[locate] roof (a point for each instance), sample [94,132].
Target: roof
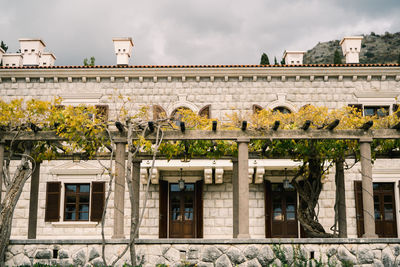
[203,66]
[32,40]
[350,38]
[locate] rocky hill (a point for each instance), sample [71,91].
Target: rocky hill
[375,48]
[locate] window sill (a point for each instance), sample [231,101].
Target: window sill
[75,224]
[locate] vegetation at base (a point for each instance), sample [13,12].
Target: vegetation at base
[264,59]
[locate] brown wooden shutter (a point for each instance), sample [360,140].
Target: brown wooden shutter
[199,209]
[359,208]
[53,193]
[102,112]
[163,219]
[158,112]
[256,109]
[395,108]
[358,107]
[205,112]
[97,202]
[268,208]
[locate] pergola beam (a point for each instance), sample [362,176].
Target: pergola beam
[233,135]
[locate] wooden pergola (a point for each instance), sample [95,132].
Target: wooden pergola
[240,168]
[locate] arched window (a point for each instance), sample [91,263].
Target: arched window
[205,112]
[282,110]
[158,112]
[176,116]
[256,108]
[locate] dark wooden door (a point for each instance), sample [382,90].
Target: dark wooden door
[281,212]
[182,211]
[384,209]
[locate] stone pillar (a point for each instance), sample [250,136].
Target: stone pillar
[1,169]
[119,191]
[136,193]
[341,197]
[367,190]
[240,183]
[33,202]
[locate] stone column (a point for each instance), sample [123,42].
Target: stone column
[33,202]
[1,169]
[367,190]
[119,191]
[136,193]
[240,183]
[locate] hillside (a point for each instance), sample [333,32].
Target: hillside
[374,49]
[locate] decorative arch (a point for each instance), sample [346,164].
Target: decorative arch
[158,112]
[281,102]
[182,104]
[205,111]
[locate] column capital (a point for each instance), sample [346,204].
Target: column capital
[243,140]
[366,139]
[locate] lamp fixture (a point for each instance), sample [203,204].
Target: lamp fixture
[181,182]
[286,183]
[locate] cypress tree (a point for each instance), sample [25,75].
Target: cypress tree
[337,59]
[275,61]
[4,46]
[264,59]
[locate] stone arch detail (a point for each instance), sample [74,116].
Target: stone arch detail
[282,102]
[182,104]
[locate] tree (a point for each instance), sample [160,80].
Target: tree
[86,62]
[4,46]
[283,61]
[264,59]
[337,59]
[275,61]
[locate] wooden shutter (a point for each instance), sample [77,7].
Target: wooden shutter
[205,112]
[358,107]
[163,219]
[53,193]
[359,208]
[199,209]
[256,109]
[97,201]
[158,112]
[102,112]
[395,108]
[268,200]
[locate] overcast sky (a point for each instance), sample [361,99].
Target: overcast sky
[169,32]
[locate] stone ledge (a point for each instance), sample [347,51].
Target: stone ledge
[214,241]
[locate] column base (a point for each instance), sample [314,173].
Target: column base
[370,236]
[243,236]
[118,237]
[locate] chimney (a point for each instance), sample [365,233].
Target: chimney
[293,57]
[351,47]
[123,50]
[47,59]
[12,60]
[31,50]
[1,53]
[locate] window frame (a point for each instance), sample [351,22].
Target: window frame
[77,202]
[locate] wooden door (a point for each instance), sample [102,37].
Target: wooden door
[182,211]
[384,209]
[281,212]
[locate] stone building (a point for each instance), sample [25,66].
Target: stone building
[68,192]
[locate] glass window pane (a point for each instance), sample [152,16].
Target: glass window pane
[84,208]
[69,216]
[70,208]
[290,208]
[387,198]
[175,188]
[84,199]
[84,188]
[84,216]
[189,187]
[290,216]
[70,199]
[70,188]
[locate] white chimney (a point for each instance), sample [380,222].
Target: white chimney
[351,47]
[293,57]
[12,60]
[47,59]
[123,50]
[31,50]
[1,53]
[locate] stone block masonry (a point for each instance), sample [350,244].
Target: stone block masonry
[218,253]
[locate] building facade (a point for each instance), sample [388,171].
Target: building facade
[69,191]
